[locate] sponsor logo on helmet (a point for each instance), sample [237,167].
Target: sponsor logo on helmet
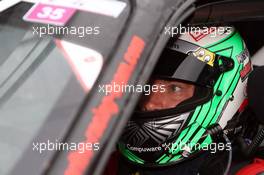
[243,56]
[142,149]
[245,71]
[205,56]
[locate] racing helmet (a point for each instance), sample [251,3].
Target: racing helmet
[216,63]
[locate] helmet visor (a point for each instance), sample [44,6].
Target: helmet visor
[193,67]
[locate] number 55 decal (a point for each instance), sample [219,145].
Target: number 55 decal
[49,14]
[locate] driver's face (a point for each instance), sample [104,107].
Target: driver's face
[175,93]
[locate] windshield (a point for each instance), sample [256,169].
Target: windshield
[34,73]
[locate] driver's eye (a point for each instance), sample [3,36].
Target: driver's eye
[175,88]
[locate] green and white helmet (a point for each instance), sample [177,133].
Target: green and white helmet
[217,63]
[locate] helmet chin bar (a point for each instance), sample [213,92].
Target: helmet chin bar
[214,131]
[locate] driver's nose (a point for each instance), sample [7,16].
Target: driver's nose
[154,101]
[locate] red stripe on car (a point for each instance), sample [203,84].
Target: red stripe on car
[107,109]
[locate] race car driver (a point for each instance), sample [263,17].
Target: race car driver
[204,76]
